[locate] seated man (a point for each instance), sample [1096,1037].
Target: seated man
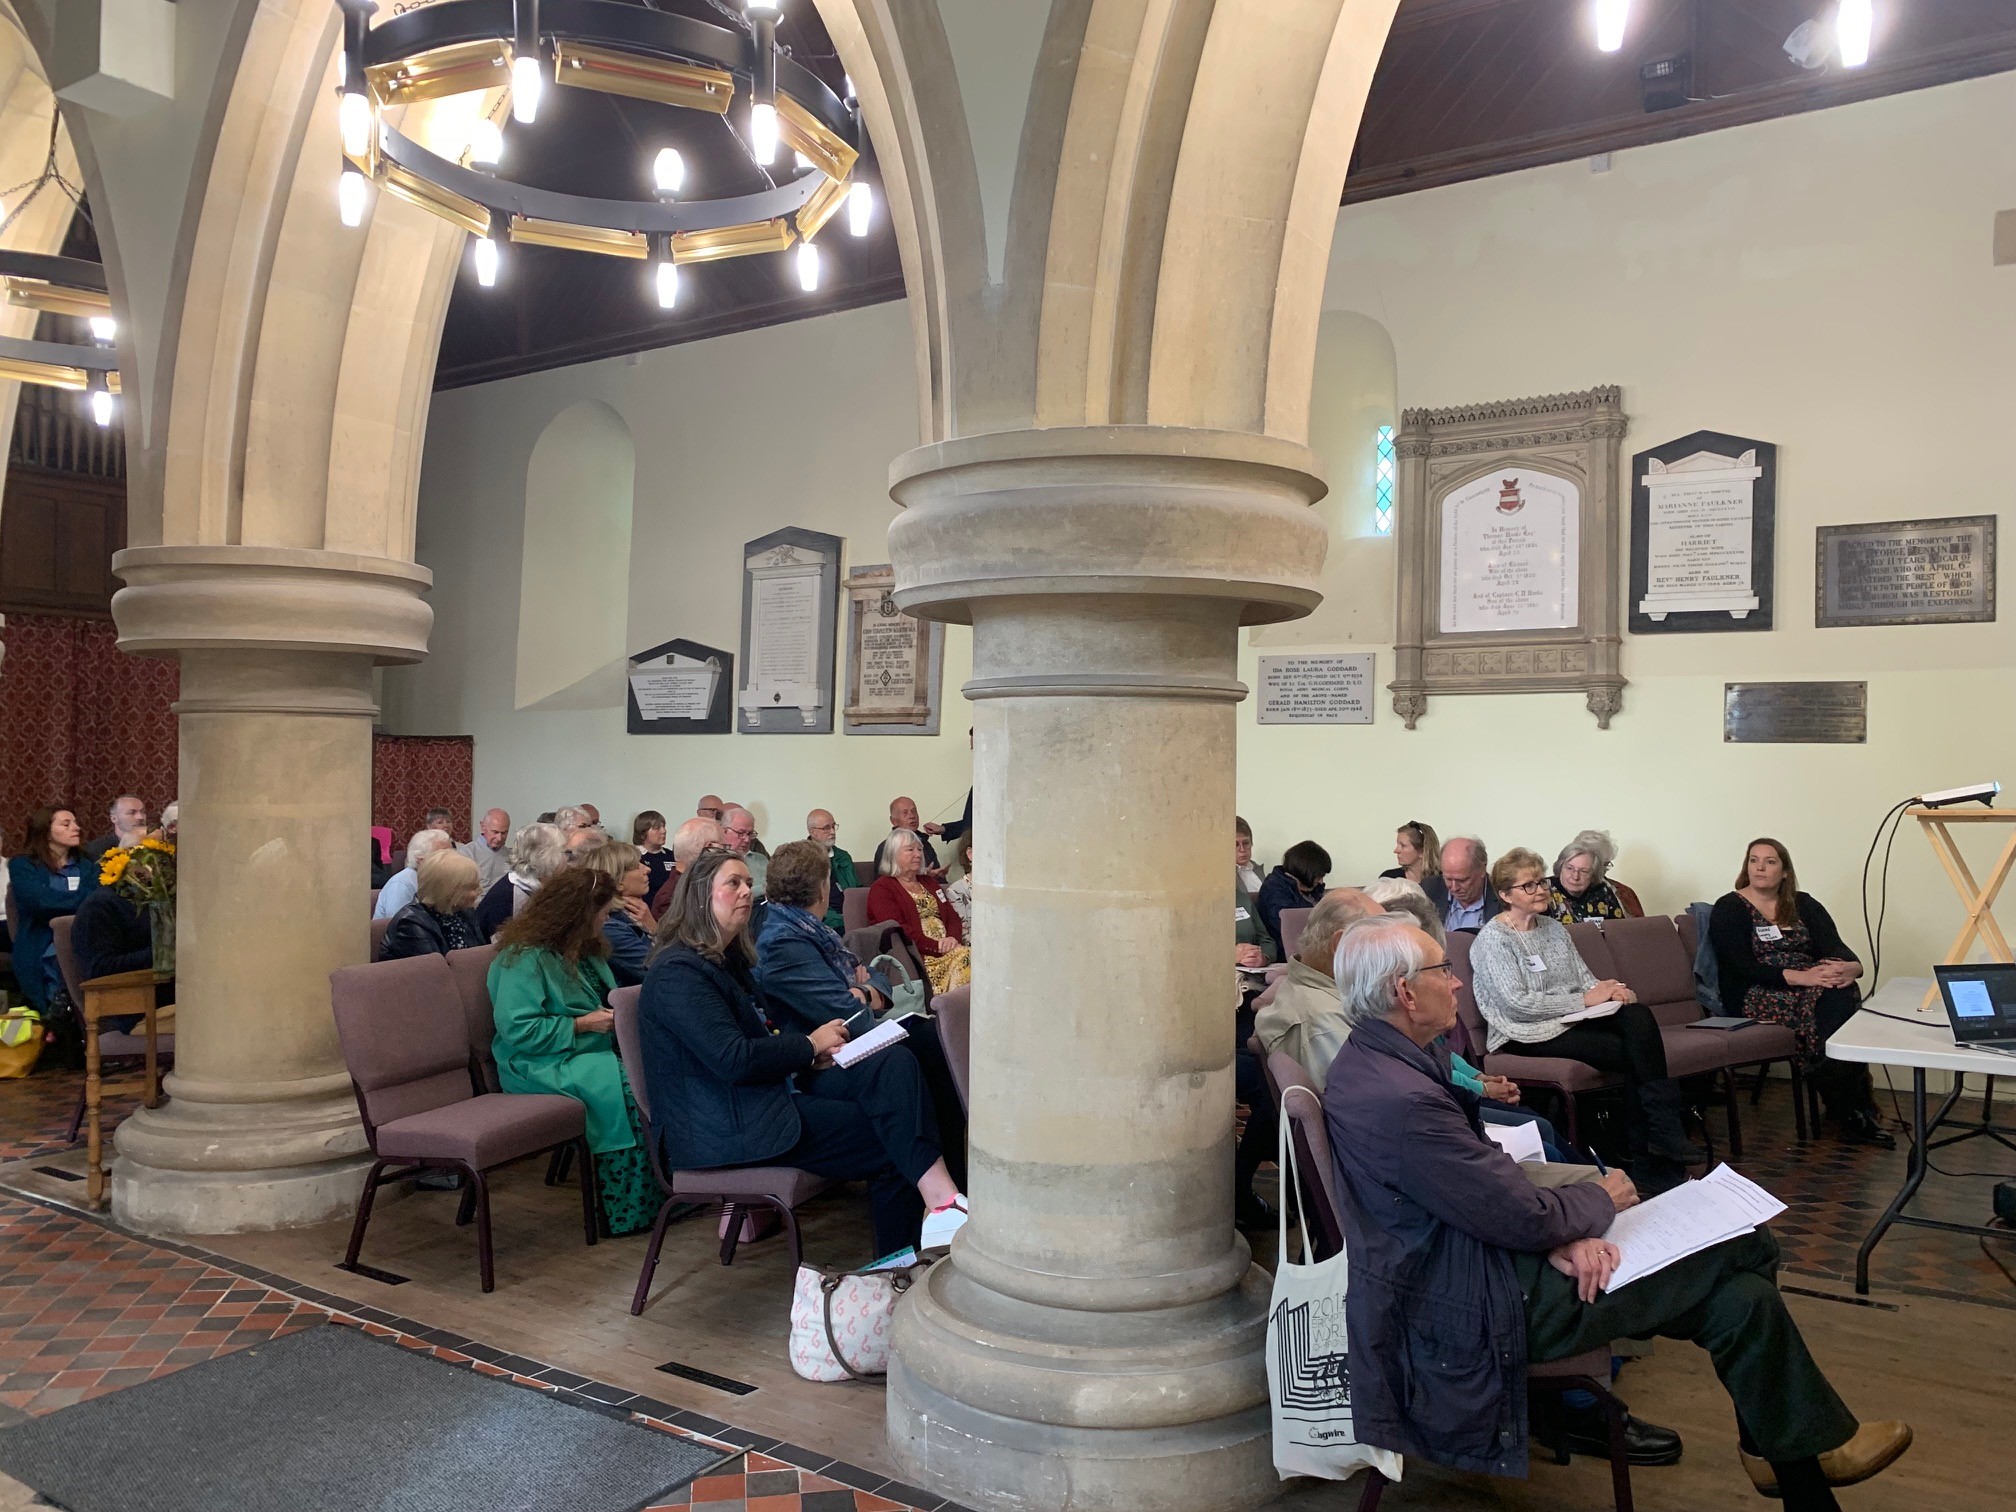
[1462,893]
[112,934]
[823,831]
[1462,1272]
[403,886]
[903,816]
[691,838]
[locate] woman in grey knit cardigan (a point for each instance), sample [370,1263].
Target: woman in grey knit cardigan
[1528,978]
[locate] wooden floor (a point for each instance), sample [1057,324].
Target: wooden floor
[1945,1366]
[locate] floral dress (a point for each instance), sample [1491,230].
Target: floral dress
[1791,1006]
[1599,901]
[945,971]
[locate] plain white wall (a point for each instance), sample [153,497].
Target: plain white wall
[1823,282]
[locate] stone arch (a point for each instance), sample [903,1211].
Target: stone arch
[574,596]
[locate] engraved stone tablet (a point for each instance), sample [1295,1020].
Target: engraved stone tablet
[1703,531]
[1906,572]
[894,662]
[1511,553]
[1333,689]
[790,599]
[1795,713]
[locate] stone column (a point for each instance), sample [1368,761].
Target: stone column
[1095,1340]
[260,1130]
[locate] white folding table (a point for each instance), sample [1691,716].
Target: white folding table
[1894,1028]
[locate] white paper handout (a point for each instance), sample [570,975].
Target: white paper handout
[1687,1220]
[880,1038]
[1583,1015]
[1520,1141]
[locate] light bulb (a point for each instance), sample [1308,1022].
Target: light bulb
[860,208]
[808,267]
[351,191]
[486,144]
[103,328]
[666,277]
[486,261]
[668,171]
[1852,24]
[525,86]
[763,132]
[101,405]
[763,7]
[353,119]
[1610,18]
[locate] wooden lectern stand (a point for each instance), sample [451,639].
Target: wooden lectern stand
[1977,898]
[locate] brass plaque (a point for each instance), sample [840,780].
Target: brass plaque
[1805,713]
[1906,572]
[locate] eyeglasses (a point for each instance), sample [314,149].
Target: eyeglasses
[736,829]
[1438,966]
[1536,886]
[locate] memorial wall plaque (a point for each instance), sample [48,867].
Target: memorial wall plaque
[790,603]
[1511,552]
[1319,689]
[681,688]
[1905,572]
[1703,535]
[894,662]
[1795,713]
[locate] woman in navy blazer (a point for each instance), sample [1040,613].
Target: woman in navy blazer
[722,1080]
[49,878]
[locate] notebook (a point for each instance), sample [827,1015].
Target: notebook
[874,1042]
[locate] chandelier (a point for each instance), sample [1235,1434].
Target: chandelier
[63,286]
[455,47]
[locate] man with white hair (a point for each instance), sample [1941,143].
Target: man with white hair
[823,830]
[403,886]
[691,838]
[1462,894]
[1463,1272]
[490,850]
[129,827]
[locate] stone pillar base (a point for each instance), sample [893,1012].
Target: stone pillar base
[153,1201]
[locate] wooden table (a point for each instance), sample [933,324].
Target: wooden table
[114,997]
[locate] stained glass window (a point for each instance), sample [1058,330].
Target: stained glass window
[1382,484]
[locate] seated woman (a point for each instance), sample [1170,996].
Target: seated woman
[1250,875]
[810,977]
[1526,975]
[629,927]
[1296,883]
[50,878]
[537,852]
[1252,945]
[960,893]
[722,1079]
[1580,888]
[1781,960]
[555,1032]
[647,833]
[442,915]
[903,895]
[1418,851]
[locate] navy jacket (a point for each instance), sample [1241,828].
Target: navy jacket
[1281,891]
[111,935]
[1433,1213]
[39,896]
[718,1079]
[800,986]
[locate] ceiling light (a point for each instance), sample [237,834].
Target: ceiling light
[354,119]
[665,279]
[1610,18]
[668,172]
[764,7]
[101,399]
[351,192]
[525,86]
[763,132]
[486,144]
[486,261]
[808,267]
[1853,22]
[103,328]
[860,208]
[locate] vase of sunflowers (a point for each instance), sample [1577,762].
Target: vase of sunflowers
[144,874]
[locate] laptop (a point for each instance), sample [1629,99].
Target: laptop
[1980,1005]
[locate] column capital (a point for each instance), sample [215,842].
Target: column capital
[270,598]
[1153,510]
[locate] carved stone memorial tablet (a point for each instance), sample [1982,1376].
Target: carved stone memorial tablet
[790,602]
[1906,572]
[1317,689]
[894,662]
[681,688]
[1508,551]
[1703,532]
[1795,713]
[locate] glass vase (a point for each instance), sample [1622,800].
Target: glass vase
[161,924]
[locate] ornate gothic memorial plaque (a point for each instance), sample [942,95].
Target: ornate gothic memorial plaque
[894,662]
[1508,551]
[790,602]
[1795,713]
[1703,534]
[1906,572]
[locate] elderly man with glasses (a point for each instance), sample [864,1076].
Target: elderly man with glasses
[824,831]
[1463,1272]
[738,833]
[1462,891]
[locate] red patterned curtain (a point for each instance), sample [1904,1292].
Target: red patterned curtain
[81,722]
[412,773]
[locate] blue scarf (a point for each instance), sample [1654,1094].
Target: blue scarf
[808,926]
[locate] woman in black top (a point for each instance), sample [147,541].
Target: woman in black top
[1781,960]
[442,915]
[1298,882]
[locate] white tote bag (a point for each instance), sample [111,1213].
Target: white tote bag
[1308,1369]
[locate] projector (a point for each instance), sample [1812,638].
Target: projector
[1975,792]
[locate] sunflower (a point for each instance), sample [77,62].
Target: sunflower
[113,866]
[156,843]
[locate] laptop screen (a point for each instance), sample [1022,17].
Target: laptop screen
[1980,1000]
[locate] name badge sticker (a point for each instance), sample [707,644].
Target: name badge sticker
[1240,916]
[1769,932]
[1536,963]
[71,882]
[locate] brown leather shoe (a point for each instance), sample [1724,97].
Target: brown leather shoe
[1873,1449]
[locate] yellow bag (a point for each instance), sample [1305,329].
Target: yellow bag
[21,1041]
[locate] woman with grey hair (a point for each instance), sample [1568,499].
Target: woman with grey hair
[538,851]
[1398,895]
[1580,888]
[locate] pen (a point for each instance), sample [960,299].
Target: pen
[1601,1168]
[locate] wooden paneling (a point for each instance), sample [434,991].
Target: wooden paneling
[58,531]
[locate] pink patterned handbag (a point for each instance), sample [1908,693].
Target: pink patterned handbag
[840,1323]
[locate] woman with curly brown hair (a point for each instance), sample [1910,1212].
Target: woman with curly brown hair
[555,1033]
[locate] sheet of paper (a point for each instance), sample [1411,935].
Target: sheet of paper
[880,1038]
[1685,1221]
[1583,1015]
[1520,1141]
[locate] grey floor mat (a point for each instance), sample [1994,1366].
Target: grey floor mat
[333,1420]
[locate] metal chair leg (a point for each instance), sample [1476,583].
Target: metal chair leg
[791,1232]
[1798,1099]
[363,1212]
[587,1189]
[1375,1488]
[1757,1087]
[731,1217]
[1620,1456]
[77,1118]
[466,1208]
[1730,1104]
[485,1255]
[650,1267]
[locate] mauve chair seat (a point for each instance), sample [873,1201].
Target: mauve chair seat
[111,1042]
[486,1131]
[1690,1052]
[784,1184]
[1569,1075]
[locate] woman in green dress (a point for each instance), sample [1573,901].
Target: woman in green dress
[555,1033]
